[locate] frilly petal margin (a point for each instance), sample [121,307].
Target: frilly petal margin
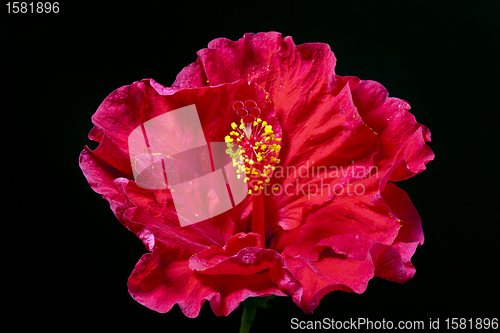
[350,224]
[214,274]
[107,168]
[401,137]
[394,263]
[328,274]
[159,284]
[328,254]
[105,180]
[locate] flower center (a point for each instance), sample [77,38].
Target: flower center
[253,146]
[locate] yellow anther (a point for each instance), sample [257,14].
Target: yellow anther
[253,161]
[276,188]
[249,191]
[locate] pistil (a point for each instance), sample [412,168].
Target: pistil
[254,148]
[258,223]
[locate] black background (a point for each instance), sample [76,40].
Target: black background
[68,258]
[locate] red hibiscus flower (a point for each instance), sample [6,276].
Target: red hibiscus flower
[320,153]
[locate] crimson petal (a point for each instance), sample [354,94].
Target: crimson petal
[159,284]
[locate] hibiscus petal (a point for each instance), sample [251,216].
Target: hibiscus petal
[128,107]
[388,263]
[400,204]
[154,213]
[301,80]
[248,260]
[298,79]
[409,236]
[159,284]
[243,255]
[107,168]
[106,179]
[353,246]
[401,137]
[273,62]
[213,255]
[367,216]
[346,149]
[329,274]
[125,109]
